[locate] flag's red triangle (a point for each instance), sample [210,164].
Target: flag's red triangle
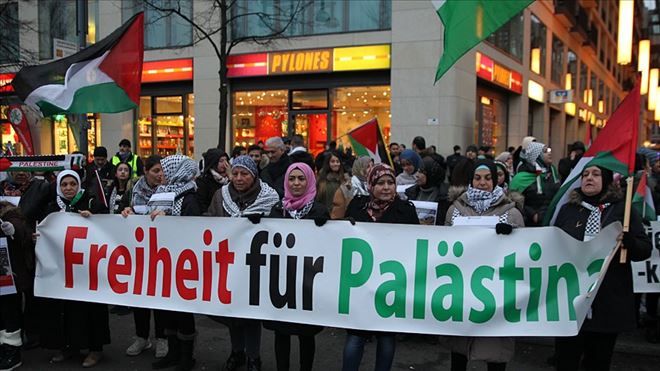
[619,136]
[367,135]
[124,62]
[641,187]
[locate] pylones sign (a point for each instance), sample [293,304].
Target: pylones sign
[399,278]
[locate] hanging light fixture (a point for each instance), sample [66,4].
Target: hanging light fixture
[624,42]
[644,64]
[569,82]
[653,89]
[656,114]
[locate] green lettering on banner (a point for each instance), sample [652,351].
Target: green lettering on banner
[421,269]
[593,268]
[454,290]
[509,273]
[535,281]
[568,273]
[482,294]
[397,286]
[348,279]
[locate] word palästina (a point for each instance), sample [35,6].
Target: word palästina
[448,297]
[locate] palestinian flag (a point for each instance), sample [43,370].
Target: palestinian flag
[367,140]
[104,77]
[467,23]
[613,149]
[42,162]
[643,201]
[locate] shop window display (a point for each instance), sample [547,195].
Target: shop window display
[318,115]
[259,115]
[64,136]
[166,125]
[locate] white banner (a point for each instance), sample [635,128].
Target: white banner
[646,274]
[399,278]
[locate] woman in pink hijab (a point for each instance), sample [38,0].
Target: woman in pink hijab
[298,203]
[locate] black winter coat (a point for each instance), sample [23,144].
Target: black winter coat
[400,212]
[21,248]
[35,200]
[613,309]
[318,211]
[273,174]
[206,188]
[537,203]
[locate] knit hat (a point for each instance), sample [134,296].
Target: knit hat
[247,163]
[100,152]
[412,157]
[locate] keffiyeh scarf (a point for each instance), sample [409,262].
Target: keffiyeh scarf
[480,200]
[594,220]
[301,213]
[180,172]
[264,202]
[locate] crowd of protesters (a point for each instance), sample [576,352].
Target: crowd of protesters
[280,178]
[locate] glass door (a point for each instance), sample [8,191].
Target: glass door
[314,129]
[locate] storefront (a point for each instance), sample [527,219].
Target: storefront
[495,86]
[315,93]
[65,131]
[166,116]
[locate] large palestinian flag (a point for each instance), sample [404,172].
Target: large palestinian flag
[367,140]
[104,77]
[613,149]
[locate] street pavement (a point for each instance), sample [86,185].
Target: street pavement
[413,352]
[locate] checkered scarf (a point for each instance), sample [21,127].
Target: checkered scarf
[180,172]
[593,222]
[480,200]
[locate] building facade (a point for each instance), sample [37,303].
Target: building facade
[342,63]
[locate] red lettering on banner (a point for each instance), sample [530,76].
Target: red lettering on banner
[97,253]
[184,274]
[139,268]
[224,257]
[126,263]
[70,257]
[156,255]
[115,269]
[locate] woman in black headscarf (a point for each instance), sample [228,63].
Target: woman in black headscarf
[214,176]
[597,203]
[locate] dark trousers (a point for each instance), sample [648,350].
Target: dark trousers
[459,363]
[10,312]
[283,350]
[596,348]
[179,323]
[142,318]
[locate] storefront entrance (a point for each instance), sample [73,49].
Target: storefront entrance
[313,126]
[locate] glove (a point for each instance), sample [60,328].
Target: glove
[628,239]
[8,229]
[351,220]
[503,228]
[320,221]
[255,218]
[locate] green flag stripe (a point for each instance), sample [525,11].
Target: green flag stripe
[106,97]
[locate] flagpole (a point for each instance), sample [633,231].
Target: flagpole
[626,216]
[81,25]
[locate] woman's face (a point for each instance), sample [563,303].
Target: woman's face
[483,180]
[384,189]
[69,186]
[122,172]
[335,164]
[241,179]
[155,175]
[297,183]
[408,167]
[421,179]
[223,165]
[500,176]
[592,181]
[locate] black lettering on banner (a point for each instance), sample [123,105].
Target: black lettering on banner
[311,268]
[255,260]
[651,273]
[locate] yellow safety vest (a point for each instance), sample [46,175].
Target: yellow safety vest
[133,164]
